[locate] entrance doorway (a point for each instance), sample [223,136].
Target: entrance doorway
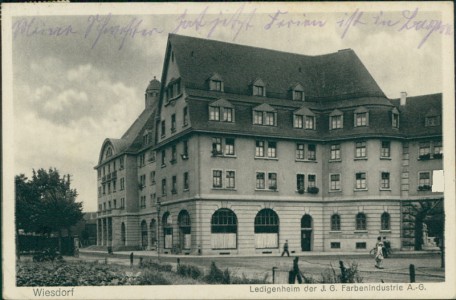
[306,233]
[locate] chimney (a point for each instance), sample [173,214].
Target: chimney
[403,98]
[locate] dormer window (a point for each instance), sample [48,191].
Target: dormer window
[108,152]
[221,111]
[395,118]
[336,120]
[361,117]
[297,92]
[432,118]
[216,83]
[258,88]
[304,118]
[264,114]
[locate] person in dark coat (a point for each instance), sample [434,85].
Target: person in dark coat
[296,271]
[285,248]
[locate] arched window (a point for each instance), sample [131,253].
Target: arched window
[167,230]
[385,220]
[335,222]
[153,232]
[183,220]
[224,229]
[306,222]
[144,239]
[123,234]
[266,229]
[361,221]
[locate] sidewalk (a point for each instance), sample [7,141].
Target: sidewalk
[150,253]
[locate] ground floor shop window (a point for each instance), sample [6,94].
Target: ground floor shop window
[266,229]
[224,229]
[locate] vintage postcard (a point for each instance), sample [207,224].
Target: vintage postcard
[228,150]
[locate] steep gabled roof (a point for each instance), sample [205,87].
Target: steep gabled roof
[414,113]
[334,76]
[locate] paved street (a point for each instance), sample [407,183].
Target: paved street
[396,268]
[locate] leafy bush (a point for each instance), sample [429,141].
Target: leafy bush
[217,276]
[351,275]
[189,271]
[149,264]
[149,277]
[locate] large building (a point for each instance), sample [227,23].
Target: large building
[239,149]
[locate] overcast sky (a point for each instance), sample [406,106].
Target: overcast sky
[72,91]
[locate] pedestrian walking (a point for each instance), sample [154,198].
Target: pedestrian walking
[386,247]
[295,272]
[131,259]
[379,253]
[285,248]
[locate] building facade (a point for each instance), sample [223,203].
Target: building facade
[239,149]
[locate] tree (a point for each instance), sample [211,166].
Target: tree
[46,203]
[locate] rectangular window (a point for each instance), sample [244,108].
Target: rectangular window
[272,177]
[335,245]
[298,95]
[335,182]
[122,184]
[142,180]
[438,149]
[173,154]
[361,245]
[122,202]
[152,177]
[258,117]
[186,183]
[227,114]
[216,85]
[385,182]
[260,180]
[185,117]
[163,158]
[163,128]
[216,146]
[425,179]
[214,113]
[310,122]
[298,121]
[272,149]
[335,152]
[114,183]
[386,149]
[360,180]
[425,150]
[164,187]
[229,146]
[173,122]
[109,188]
[300,182]
[311,152]
[311,180]
[114,203]
[230,179]
[259,148]
[174,185]
[299,151]
[151,156]
[432,121]
[270,119]
[185,150]
[258,90]
[217,179]
[360,149]
[336,122]
[395,120]
[361,119]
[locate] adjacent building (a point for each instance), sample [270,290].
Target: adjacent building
[240,148]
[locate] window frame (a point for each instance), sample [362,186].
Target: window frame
[385,152]
[230,181]
[336,122]
[361,221]
[335,222]
[361,150]
[337,183]
[385,183]
[217,177]
[361,181]
[336,150]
